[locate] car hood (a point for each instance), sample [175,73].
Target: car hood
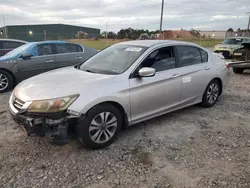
[59,83]
[6,58]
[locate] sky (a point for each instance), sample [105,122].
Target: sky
[113,15]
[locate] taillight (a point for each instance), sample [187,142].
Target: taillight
[227,65]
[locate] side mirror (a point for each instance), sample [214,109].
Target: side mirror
[146,72]
[26,55]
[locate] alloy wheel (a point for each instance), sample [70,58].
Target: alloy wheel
[103,127]
[212,93]
[3,82]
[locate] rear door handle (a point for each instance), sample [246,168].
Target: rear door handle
[79,57]
[50,61]
[207,68]
[175,75]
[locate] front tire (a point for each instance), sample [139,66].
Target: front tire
[238,70]
[6,81]
[100,127]
[211,94]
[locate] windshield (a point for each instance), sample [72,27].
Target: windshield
[17,51]
[113,60]
[233,41]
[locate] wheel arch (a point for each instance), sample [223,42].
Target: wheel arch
[220,82]
[11,73]
[119,107]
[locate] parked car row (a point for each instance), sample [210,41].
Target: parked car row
[122,85]
[35,58]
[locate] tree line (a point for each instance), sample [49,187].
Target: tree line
[132,33]
[129,33]
[238,30]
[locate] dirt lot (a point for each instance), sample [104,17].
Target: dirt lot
[194,147]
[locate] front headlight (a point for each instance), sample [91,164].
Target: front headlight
[52,105]
[216,47]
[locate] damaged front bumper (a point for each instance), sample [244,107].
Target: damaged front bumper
[52,125]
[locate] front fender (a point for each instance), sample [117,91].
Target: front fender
[83,105]
[8,65]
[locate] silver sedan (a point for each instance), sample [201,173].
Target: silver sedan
[122,85]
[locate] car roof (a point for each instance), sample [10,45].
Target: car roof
[50,41]
[54,42]
[14,40]
[149,43]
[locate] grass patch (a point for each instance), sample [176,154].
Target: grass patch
[97,44]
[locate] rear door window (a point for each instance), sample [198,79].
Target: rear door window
[79,48]
[71,48]
[67,48]
[188,55]
[204,56]
[58,48]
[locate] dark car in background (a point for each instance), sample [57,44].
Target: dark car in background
[37,57]
[241,58]
[229,45]
[7,45]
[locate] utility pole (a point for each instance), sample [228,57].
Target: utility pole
[5,29]
[248,34]
[162,7]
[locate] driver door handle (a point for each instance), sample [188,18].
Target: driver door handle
[175,75]
[78,57]
[50,61]
[207,68]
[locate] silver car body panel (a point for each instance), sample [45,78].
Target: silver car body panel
[141,98]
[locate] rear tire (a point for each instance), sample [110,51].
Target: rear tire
[238,70]
[106,119]
[211,94]
[6,81]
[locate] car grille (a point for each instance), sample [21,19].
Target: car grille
[18,104]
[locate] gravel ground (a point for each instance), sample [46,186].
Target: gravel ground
[193,147]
